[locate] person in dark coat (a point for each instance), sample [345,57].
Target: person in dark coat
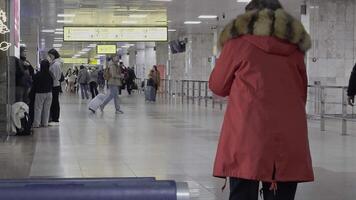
[42,87]
[351,91]
[264,137]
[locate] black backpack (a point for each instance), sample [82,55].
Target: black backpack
[26,127]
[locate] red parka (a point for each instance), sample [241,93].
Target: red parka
[262,71]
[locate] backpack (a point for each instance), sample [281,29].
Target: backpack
[25,126]
[107,74]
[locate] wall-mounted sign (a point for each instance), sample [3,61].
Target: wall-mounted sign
[94,61]
[106,49]
[75,60]
[4,46]
[115,34]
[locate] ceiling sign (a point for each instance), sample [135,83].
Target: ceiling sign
[106,49]
[75,60]
[4,46]
[115,34]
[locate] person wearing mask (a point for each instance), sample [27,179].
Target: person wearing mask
[114,83]
[56,69]
[351,91]
[157,78]
[131,76]
[264,136]
[83,80]
[42,87]
[93,83]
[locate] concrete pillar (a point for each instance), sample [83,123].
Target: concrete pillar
[150,56]
[141,60]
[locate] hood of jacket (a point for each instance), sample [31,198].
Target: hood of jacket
[278,24]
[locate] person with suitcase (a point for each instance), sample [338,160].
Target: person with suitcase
[150,92]
[95,103]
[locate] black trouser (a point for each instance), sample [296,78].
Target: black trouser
[129,86]
[93,89]
[55,108]
[31,106]
[241,189]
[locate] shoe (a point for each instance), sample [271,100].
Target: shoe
[36,127]
[93,111]
[54,124]
[119,112]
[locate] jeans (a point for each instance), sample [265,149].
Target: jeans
[55,107]
[114,94]
[93,89]
[84,90]
[43,103]
[241,189]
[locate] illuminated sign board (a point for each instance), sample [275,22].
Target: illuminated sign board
[4,46]
[115,34]
[106,49]
[75,60]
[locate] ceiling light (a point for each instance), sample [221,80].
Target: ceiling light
[64,21]
[59,29]
[243,1]
[86,49]
[162,0]
[66,15]
[192,22]
[58,33]
[47,31]
[125,46]
[137,16]
[57,45]
[92,45]
[169,21]
[172,30]
[129,22]
[208,17]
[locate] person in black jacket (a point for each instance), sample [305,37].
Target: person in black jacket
[351,92]
[42,86]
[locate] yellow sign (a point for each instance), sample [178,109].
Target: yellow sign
[115,34]
[75,60]
[106,49]
[94,61]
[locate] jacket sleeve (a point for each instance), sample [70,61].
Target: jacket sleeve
[223,75]
[351,91]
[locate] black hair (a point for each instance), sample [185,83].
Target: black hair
[81,66]
[54,53]
[45,65]
[263,4]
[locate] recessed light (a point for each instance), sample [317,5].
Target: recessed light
[208,17]
[172,30]
[57,45]
[92,45]
[137,16]
[66,15]
[192,22]
[58,33]
[47,31]
[243,1]
[64,21]
[59,29]
[162,0]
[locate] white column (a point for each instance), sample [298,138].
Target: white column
[125,57]
[141,60]
[150,56]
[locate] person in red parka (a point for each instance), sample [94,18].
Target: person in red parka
[264,136]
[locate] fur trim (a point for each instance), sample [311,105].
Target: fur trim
[267,23]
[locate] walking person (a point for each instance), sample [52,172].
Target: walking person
[131,76]
[93,83]
[56,68]
[114,78]
[42,87]
[351,91]
[157,79]
[83,80]
[264,136]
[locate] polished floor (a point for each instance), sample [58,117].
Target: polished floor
[167,140]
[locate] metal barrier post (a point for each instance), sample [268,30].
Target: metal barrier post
[188,91]
[206,94]
[193,92]
[344,111]
[182,92]
[322,111]
[199,88]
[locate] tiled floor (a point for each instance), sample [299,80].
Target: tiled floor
[167,140]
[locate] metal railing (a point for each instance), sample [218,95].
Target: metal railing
[324,102]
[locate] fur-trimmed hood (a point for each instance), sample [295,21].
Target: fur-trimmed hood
[267,22]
